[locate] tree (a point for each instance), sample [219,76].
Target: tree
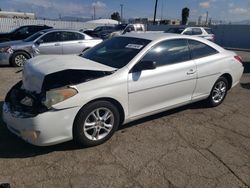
[185,15]
[116,16]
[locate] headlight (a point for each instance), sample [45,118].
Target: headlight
[6,49]
[58,95]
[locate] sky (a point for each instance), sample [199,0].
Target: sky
[226,10]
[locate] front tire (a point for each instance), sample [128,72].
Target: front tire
[18,59]
[95,123]
[218,92]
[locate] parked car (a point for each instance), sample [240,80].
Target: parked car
[22,32]
[129,28]
[203,32]
[87,97]
[101,31]
[50,41]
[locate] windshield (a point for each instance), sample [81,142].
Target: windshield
[34,37]
[116,52]
[175,30]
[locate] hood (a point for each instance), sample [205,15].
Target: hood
[36,69]
[13,43]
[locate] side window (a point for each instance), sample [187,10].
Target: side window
[129,29]
[139,28]
[22,31]
[188,32]
[199,50]
[169,52]
[79,36]
[196,31]
[52,37]
[71,36]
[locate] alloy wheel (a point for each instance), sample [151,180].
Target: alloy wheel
[98,124]
[20,60]
[219,92]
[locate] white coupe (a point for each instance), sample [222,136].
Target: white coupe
[87,97]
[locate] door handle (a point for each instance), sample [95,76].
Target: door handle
[57,44]
[191,71]
[80,42]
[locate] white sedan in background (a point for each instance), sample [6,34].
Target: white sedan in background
[87,97]
[203,32]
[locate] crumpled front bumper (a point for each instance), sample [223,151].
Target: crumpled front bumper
[48,128]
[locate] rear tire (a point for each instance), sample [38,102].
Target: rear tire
[218,92]
[95,123]
[18,59]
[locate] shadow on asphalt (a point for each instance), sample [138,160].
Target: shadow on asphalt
[5,66]
[246,67]
[245,85]
[12,146]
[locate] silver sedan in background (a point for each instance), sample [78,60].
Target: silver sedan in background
[50,41]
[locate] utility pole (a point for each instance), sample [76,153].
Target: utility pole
[161,10]
[206,19]
[156,2]
[94,12]
[121,12]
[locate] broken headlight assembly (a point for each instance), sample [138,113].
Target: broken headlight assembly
[6,50]
[55,96]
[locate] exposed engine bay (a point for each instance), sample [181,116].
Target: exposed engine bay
[24,103]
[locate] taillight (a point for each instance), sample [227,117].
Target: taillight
[238,58]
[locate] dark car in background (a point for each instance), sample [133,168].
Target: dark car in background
[100,31]
[104,32]
[22,32]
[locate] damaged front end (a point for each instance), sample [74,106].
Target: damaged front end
[22,103]
[56,87]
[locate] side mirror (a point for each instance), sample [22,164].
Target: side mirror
[144,65]
[40,41]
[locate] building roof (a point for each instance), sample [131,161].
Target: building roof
[103,21]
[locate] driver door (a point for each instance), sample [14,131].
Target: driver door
[170,84]
[51,43]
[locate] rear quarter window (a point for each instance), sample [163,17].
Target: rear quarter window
[199,49]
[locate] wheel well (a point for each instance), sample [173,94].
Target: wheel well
[23,51]
[228,77]
[114,102]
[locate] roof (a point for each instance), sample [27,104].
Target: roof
[103,21]
[158,36]
[52,29]
[151,35]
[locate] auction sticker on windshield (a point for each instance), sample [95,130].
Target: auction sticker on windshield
[134,46]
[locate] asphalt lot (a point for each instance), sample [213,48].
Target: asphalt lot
[191,146]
